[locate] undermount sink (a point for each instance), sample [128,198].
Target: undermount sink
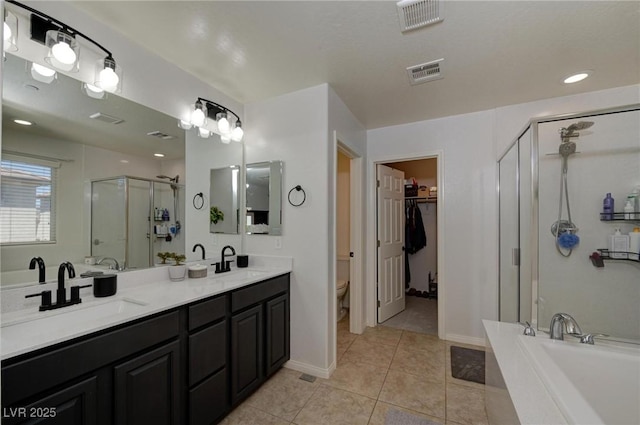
[78,313]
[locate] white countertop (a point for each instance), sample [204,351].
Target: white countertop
[149,291]
[532,401]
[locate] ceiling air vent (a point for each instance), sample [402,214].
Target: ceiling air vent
[429,71]
[106,118]
[419,13]
[160,135]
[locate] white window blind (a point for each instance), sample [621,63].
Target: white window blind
[27,206]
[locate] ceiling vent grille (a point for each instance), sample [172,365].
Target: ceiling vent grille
[429,71]
[106,118]
[160,135]
[419,13]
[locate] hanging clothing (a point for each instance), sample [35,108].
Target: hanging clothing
[415,233]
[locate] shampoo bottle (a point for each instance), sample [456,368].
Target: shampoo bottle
[629,208]
[607,207]
[619,245]
[634,244]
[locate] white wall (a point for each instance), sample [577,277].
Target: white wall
[468,199]
[293,128]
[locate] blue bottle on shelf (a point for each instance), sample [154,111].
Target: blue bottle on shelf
[607,207]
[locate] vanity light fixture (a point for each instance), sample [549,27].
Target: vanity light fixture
[10,32]
[42,73]
[64,49]
[203,109]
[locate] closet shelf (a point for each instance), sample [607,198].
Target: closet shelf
[420,199]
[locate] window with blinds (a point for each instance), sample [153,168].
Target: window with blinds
[27,206]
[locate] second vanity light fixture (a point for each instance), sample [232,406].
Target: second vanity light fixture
[64,51]
[203,110]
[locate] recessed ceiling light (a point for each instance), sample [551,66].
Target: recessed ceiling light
[124,161]
[576,77]
[23,122]
[159,155]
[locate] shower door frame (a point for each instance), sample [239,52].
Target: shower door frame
[532,125]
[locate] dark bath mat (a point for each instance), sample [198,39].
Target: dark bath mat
[467,364]
[398,417]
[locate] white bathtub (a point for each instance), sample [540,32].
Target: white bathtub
[591,384]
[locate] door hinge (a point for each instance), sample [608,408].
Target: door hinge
[377,183]
[378,303]
[515,256]
[378,243]
[351,254]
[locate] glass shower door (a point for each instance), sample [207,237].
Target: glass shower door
[108,220]
[138,246]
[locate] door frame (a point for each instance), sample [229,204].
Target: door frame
[371,236]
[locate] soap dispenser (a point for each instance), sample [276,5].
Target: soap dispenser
[619,245]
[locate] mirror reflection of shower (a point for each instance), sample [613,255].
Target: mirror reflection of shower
[564,231]
[132,219]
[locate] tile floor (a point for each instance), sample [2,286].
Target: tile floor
[381,369]
[420,315]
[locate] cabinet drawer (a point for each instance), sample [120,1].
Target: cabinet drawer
[207,312]
[259,292]
[209,400]
[207,351]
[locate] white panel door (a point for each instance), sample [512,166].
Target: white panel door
[391,219]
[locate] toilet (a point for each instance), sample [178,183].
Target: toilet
[341,290]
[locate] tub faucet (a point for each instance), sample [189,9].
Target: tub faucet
[41,268]
[198,245]
[562,323]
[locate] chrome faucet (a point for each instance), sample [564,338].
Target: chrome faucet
[198,245]
[41,268]
[115,263]
[224,266]
[562,323]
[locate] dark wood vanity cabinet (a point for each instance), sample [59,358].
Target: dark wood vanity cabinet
[187,365]
[259,334]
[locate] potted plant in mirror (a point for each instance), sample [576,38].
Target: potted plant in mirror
[215,215]
[178,271]
[164,256]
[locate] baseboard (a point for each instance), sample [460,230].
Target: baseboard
[463,339]
[311,370]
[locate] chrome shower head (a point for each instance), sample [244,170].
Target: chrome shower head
[566,133]
[171,179]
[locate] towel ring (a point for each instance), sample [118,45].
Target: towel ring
[198,205]
[297,188]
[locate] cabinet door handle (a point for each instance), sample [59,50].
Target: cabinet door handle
[515,256]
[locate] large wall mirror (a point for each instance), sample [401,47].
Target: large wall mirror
[74,141]
[264,198]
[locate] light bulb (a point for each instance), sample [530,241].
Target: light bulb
[93,91]
[203,132]
[64,53]
[185,125]
[108,79]
[7,32]
[237,134]
[223,123]
[42,70]
[225,139]
[197,117]
[93,88]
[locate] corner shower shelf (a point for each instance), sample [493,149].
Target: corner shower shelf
[621,216]
[605,254]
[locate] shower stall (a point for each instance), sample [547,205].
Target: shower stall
[552,181]
[132,219]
